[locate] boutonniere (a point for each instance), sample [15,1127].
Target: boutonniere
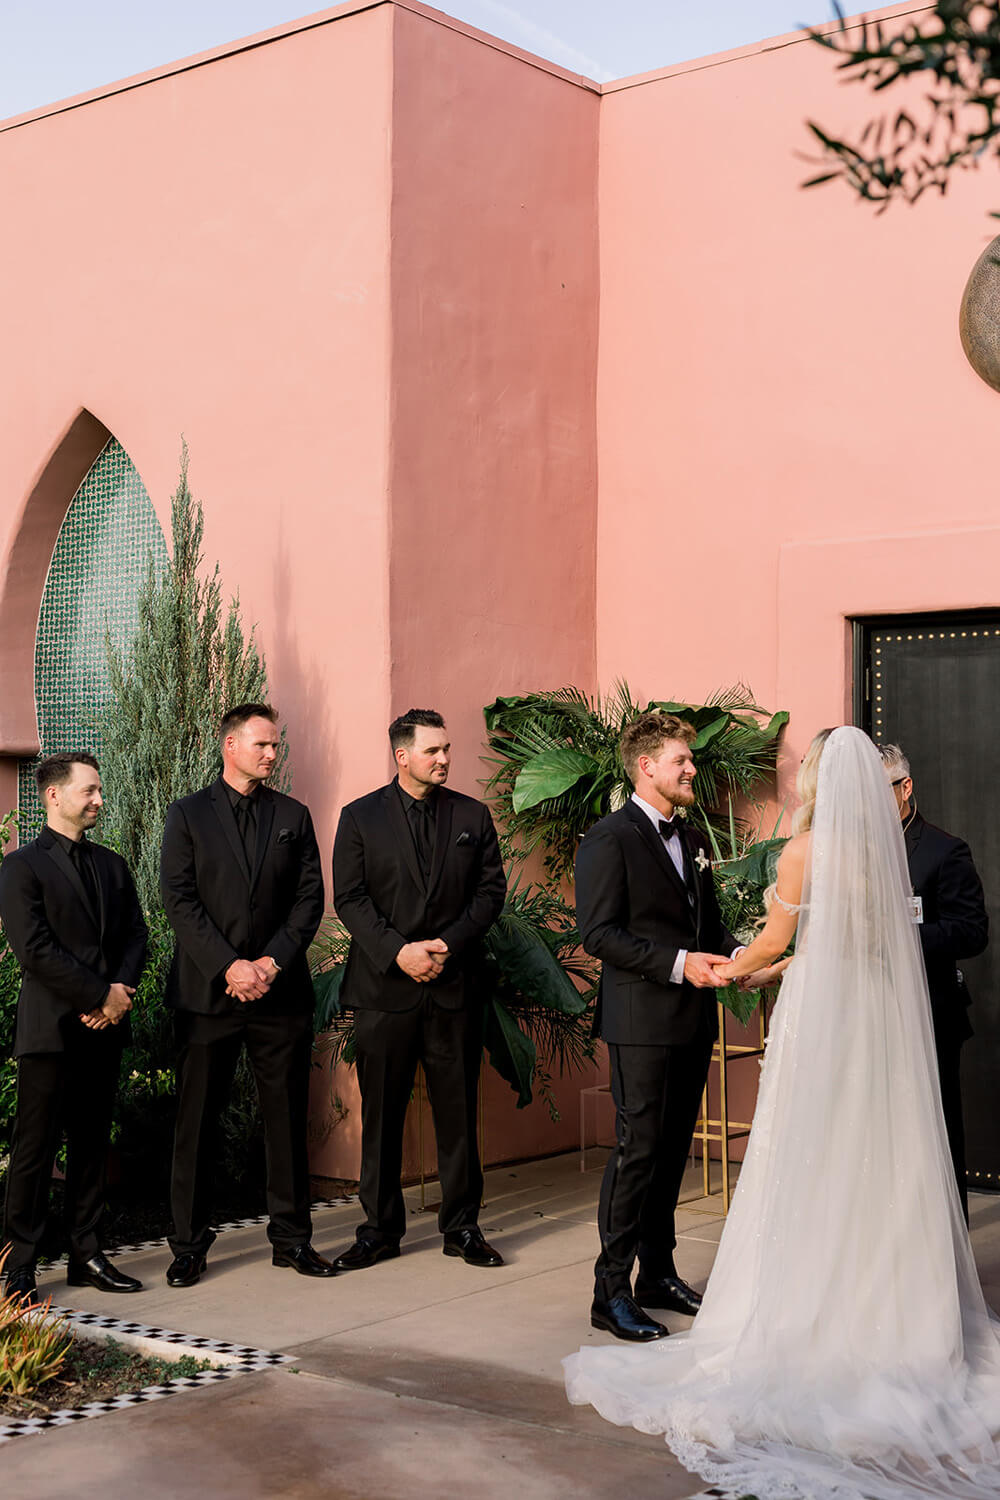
[702,860]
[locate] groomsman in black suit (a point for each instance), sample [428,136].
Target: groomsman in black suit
[71,915]
[418,881]
[243,890]
[646,907]
[953,924]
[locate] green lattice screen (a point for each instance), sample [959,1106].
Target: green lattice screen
[97,567]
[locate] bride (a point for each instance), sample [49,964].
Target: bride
[843,1350]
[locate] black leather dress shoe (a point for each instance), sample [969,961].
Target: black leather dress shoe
[185,1270]
[626,1320]
[668,1292]
[303,1258]
[98,1271]
[364,1253]
[470,1245]
[21,1283]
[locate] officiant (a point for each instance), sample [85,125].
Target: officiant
[950,912]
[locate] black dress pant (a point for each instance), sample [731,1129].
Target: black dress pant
[449,1044]
[71,1091]
[657,1093]
[280,1052]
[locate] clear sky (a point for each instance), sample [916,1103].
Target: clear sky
[50,49]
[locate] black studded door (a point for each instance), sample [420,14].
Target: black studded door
[931,684]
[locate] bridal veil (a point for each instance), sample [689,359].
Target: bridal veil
[843,1350]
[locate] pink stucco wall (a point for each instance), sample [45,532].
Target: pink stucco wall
[782,397]
[465,350]
[335,260]
[208,255]
[495,295]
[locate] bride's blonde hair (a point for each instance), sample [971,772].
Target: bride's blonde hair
[806,782]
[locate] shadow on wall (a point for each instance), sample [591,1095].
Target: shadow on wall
[303,704]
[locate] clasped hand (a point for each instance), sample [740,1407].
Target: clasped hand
[712,971]
[423,960]
[249,978]
[117,1004]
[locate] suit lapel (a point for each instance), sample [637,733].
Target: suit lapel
[652,839]
[265,818]
[401,836]
[65,865]
[227,818]
[695,873]
[442,837]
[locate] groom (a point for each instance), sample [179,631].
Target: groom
[646,907]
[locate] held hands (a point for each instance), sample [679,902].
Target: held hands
[704,970]
[762,979]
[423,960]
[117,1004]
[249,978]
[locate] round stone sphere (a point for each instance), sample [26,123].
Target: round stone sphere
[979,317]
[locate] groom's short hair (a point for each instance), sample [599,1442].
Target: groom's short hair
[647,734]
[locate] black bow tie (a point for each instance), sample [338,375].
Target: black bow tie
[668,829]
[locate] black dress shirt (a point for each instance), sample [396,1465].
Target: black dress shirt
[422,819]
[244,807]
[83,862]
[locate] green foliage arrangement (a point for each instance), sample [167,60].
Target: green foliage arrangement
[536,1017]
[189,662]
[556,768]
[952,47]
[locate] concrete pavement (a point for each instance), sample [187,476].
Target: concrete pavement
[420,1377]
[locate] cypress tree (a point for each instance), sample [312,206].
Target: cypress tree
[189,663]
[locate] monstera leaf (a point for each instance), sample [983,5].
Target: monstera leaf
[529,964]
[549,775]
[512,1052]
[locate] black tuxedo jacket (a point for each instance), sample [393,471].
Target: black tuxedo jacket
[221,910]
[381,897]
[634,914]
[70,953]
[955,922]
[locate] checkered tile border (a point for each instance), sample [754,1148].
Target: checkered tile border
[241,1360]
[117,1250]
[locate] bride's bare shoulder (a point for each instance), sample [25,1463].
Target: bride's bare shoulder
[791,867]
[793,855]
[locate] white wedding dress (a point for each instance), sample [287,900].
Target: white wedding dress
[843,1350]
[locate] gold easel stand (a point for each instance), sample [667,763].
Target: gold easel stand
[724,1129]
[420,1088]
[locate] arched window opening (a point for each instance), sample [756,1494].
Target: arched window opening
[92,589]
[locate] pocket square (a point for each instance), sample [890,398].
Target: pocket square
[285,836]
[466,840]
